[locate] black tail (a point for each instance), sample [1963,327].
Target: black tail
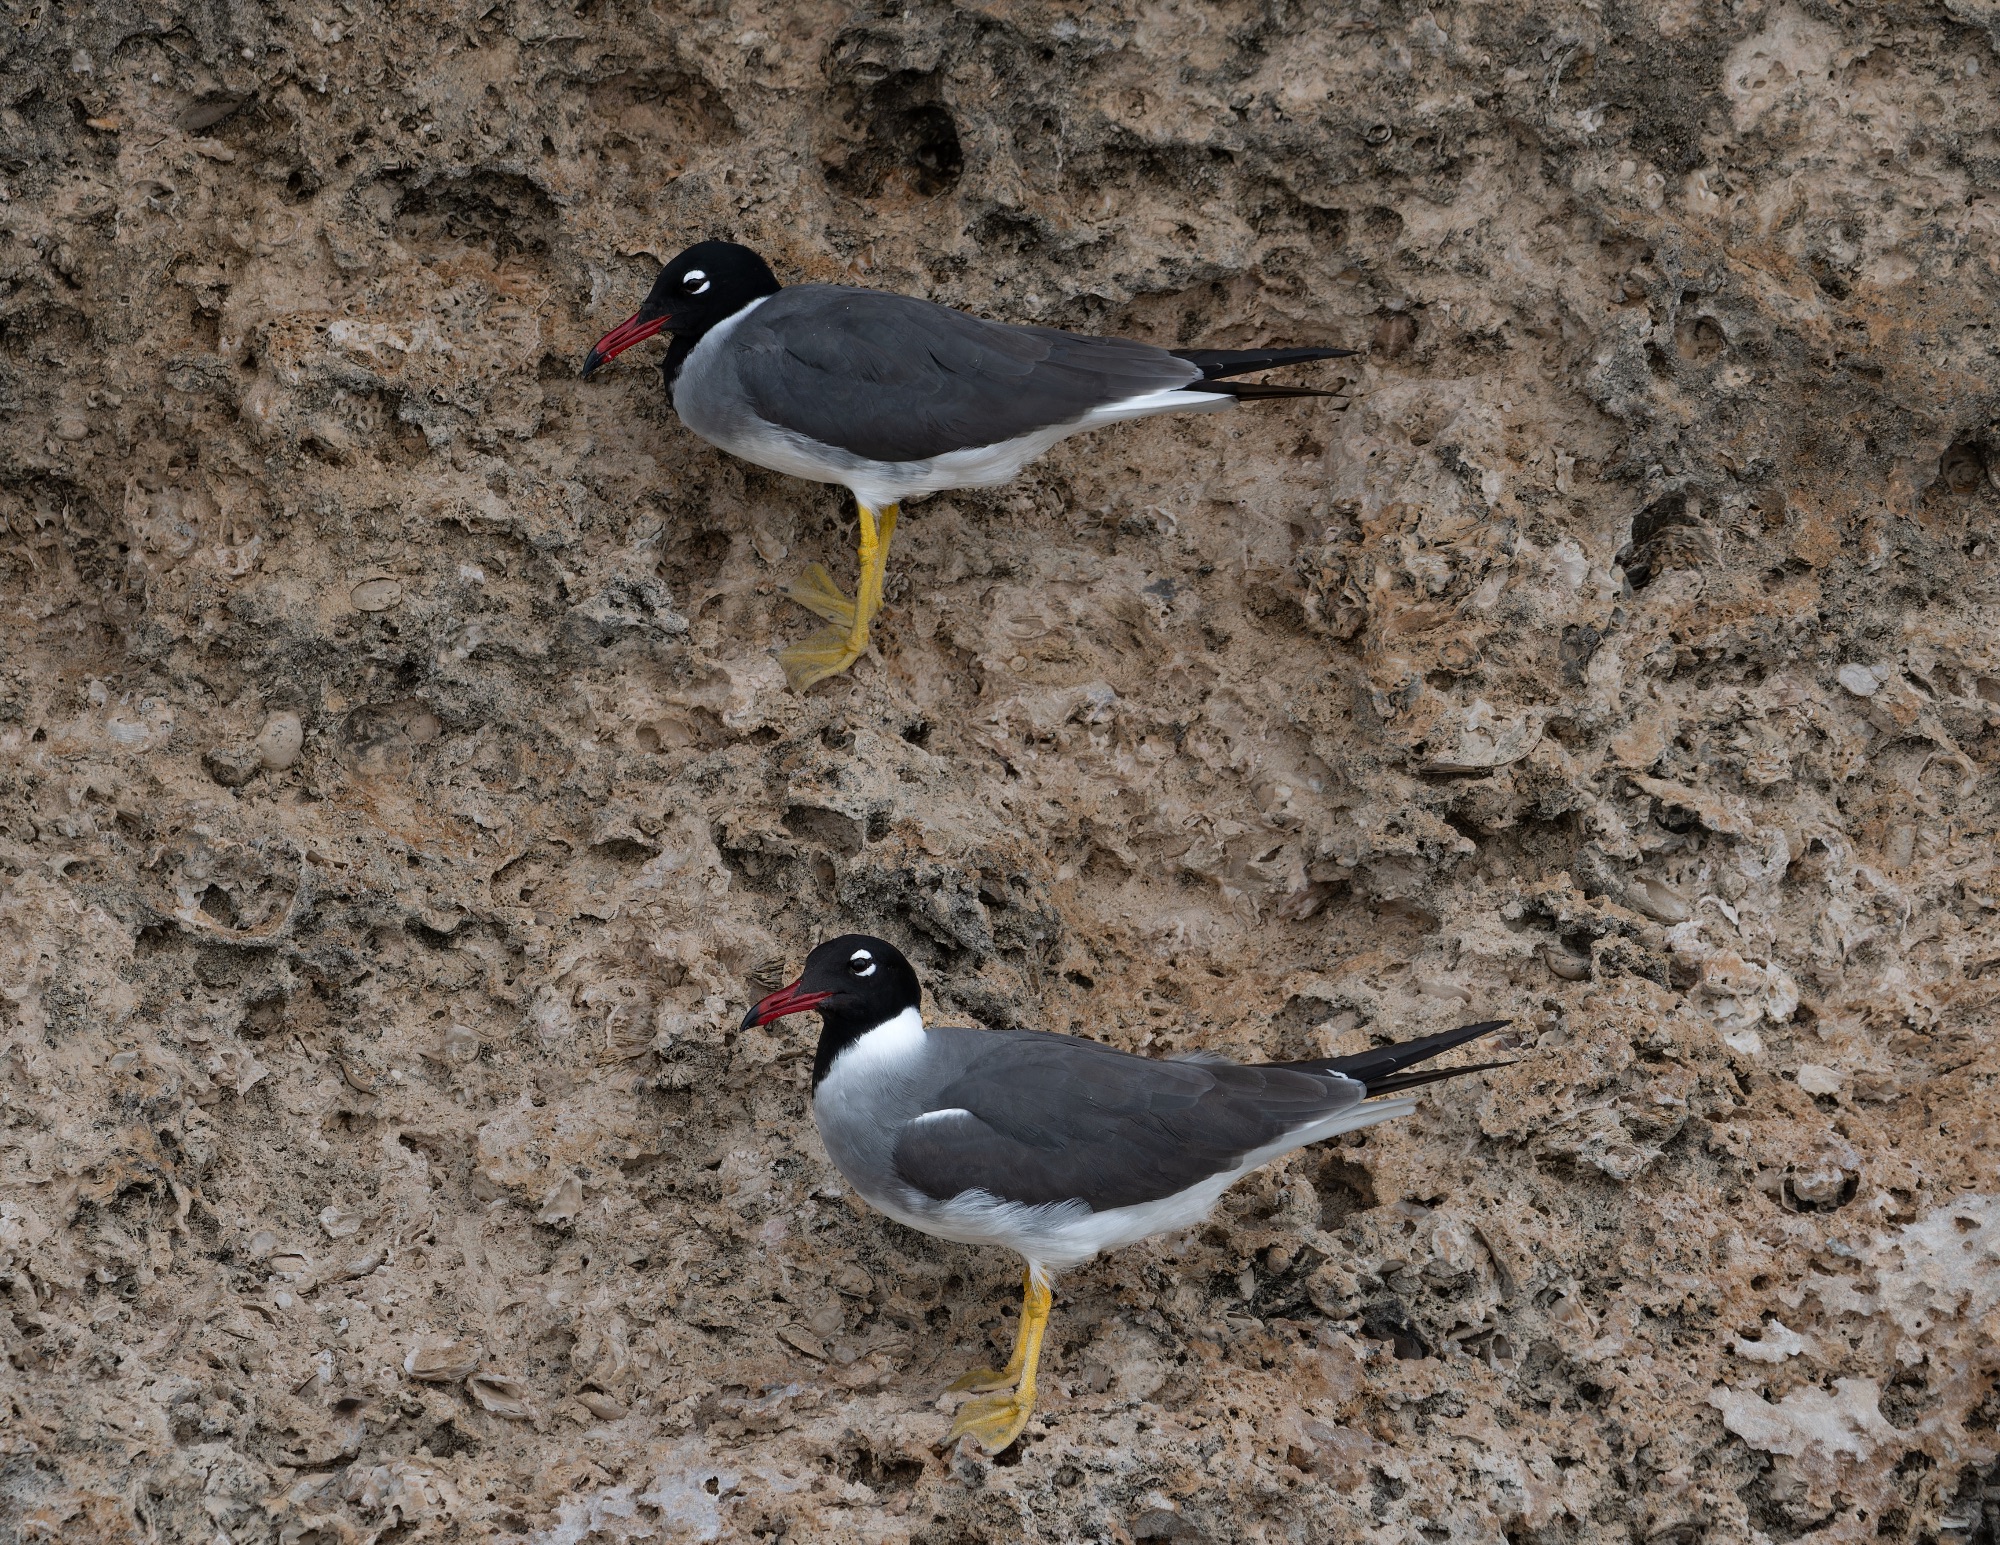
[1381,1070]
[1215,364]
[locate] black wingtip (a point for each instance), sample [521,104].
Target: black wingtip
[1405,1081]
[1215,364]
[1379,1070]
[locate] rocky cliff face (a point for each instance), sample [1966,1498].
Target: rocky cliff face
[398,801]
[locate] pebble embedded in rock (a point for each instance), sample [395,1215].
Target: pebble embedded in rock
[279,741]
[376,595]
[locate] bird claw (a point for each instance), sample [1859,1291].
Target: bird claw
[993,1421]
[817,592]
[826,653]
[981,1379]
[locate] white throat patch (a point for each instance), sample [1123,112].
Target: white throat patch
[883,1052]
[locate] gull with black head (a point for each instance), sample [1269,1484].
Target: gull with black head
[1053,1146]
[895,397]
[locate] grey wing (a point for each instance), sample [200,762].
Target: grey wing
[893,378]
[1045,1118]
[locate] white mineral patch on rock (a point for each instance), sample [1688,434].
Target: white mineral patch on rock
[1860,680]
[1773,1345]
[1846,1421]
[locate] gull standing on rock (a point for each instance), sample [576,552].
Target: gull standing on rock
[894,397]
[1054,1147]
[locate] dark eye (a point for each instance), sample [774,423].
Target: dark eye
[861,963]
[694,281]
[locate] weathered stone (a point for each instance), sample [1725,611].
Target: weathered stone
[1614,654]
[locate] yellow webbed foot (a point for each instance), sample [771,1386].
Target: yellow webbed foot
[994,1421]
[826,653]
[984,1379]
[817,592]
[831,650]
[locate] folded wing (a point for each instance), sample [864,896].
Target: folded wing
[893,378]
[1042,1119]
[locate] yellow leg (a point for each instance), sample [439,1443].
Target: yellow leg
[994,1421]
[982,1379]
[831,650]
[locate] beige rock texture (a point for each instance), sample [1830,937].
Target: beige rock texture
[399,802]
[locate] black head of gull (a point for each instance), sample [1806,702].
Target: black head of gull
[706,285]
[1054,1146]
[857,983]
[894,397]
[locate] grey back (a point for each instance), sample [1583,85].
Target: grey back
[893,378]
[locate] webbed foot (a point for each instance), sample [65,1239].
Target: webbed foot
[826,653]
[818,592]
[982,1379]
[994,1421]
[832,650]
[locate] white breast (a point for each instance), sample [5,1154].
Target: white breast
[875,1084]
[887,1053]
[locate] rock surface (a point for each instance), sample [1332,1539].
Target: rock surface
[398,800]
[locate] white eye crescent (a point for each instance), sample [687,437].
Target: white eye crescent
[861,963]
[694,281]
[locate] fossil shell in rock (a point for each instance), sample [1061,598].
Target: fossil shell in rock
[442,1359]
[502,1394]
[564,1201]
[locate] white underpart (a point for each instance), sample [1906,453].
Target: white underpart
[880,483]
[1057,1235]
